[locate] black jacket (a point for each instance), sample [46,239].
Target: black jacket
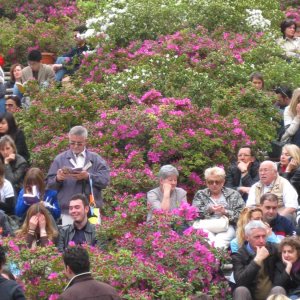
[293,177]
[233,176]
[291,282]
[245,270]
[67,233]
[10,290]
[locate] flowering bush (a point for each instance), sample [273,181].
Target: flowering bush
[154,261]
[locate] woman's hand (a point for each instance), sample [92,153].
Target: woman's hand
[9,158]
[42,222]
[292,165]
[288,265]
[33,222]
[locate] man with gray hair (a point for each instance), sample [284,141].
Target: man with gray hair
[167,196]
[77,170]
[254,265]
[271,182]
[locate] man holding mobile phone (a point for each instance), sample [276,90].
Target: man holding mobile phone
[243,173]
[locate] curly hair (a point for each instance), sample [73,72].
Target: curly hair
[293,241]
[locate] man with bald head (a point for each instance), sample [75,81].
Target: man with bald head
[271,182]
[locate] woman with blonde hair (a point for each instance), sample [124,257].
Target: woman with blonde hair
[38,228]
[291,118]
[248,214]
[289,165]
[217,203]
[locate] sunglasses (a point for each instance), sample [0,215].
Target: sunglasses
[216,182]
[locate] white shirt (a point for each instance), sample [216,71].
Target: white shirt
[289,194]
[6,191]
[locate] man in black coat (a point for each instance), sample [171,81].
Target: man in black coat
[82,285]
[254,265]
[243,173]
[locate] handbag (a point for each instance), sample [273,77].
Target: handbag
[213,225]
[95,216]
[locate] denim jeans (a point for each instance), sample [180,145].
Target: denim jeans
[63,71]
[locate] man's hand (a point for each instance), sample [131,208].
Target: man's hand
[83,175]
[243,167]
[61,175]
[261,254]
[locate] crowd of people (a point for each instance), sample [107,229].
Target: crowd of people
[251,208]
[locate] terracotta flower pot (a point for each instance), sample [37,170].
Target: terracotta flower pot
[48,58]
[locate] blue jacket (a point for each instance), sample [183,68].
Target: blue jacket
[50,201]
[282,226]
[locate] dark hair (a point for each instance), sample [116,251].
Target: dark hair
[77,259]
[252,153]
[80,28]
[11,71]
[269,197]
[81,197]
[284,91]
[2,256]
[15,98]
[285,24]
[34,55]
[257,75]
[11,122]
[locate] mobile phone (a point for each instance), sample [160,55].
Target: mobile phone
[290,159]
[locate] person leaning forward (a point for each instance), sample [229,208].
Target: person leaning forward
[254,265]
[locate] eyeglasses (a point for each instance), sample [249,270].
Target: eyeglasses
[76,143]
[216,182]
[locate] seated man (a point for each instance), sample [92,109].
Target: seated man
[35,70]
[82,285]
[271,182]
[69,62]
[242,174]
[167,196]
[280,225]
[81,231]
[254,265]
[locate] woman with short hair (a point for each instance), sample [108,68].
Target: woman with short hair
[217,201]
[167,196]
